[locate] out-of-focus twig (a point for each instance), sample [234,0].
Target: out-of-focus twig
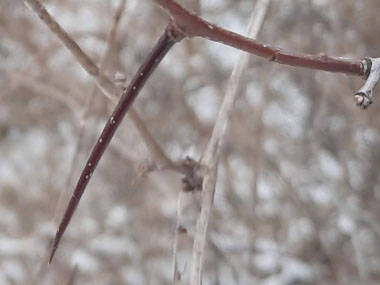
[211,154]
[73,276]
[178,231]
[361,262]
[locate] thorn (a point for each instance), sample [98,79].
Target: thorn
[51,257]
[53,250]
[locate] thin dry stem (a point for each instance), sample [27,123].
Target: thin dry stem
[361,262]
[176,273]
[47,90]
[211,154]
[73,276]
[85,61]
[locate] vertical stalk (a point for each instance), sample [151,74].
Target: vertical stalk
[210,157]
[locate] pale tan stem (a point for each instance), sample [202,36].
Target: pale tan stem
[211,154]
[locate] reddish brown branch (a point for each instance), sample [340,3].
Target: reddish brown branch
[192,25]
[167,40]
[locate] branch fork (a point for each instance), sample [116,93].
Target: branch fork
[364,97]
